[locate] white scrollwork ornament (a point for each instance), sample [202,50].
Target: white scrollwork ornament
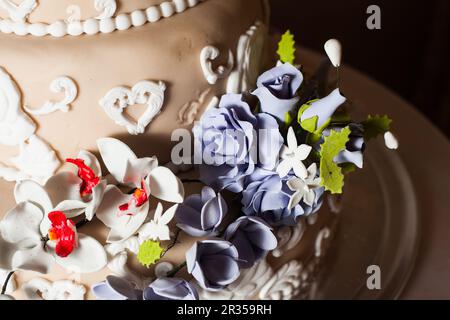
[207,56]
[145,92]
[41,289]
[245,287]
[37,160]
[189,111]
[285,284]
[74,14]
[15,125]
[106,7]
[249,59]
[18,12]
[288,238]
[320,243]
[60,84]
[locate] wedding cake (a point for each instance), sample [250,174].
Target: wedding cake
[94,99]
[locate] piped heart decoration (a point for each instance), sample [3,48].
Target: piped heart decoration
[144,92]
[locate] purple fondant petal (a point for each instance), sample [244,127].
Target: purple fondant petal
[220,269]
[102,291]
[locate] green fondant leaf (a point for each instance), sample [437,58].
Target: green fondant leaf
[331,174]
[310,124]
[375,126]
[286,48]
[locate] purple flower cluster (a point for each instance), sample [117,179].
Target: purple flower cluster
[267,196]
[216,263]
[115,288]
[232,142]
[241,150]
[201,215]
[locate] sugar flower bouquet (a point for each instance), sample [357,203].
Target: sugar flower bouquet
[278,150]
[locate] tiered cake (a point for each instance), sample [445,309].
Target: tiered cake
[76,71]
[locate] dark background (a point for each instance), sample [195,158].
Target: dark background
[410,54]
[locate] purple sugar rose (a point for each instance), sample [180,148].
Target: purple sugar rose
[232,142]
[266,195]
[115,288]
[170,289]
[277,90]
[201,215]
[226,142]
[253,238]
[213,263]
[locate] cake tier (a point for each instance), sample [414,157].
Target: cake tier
[180,65]
[49,11]
[167,53]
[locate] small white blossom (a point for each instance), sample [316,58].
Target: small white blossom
[304,188]
[293,156]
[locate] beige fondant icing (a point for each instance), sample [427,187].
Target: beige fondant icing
[168,51]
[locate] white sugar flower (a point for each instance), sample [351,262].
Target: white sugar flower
[80,191]
[22,233]
[21,246]
[293,156]
[304,188]
[158,228]
[125,213]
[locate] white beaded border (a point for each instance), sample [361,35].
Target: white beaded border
[93,26]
